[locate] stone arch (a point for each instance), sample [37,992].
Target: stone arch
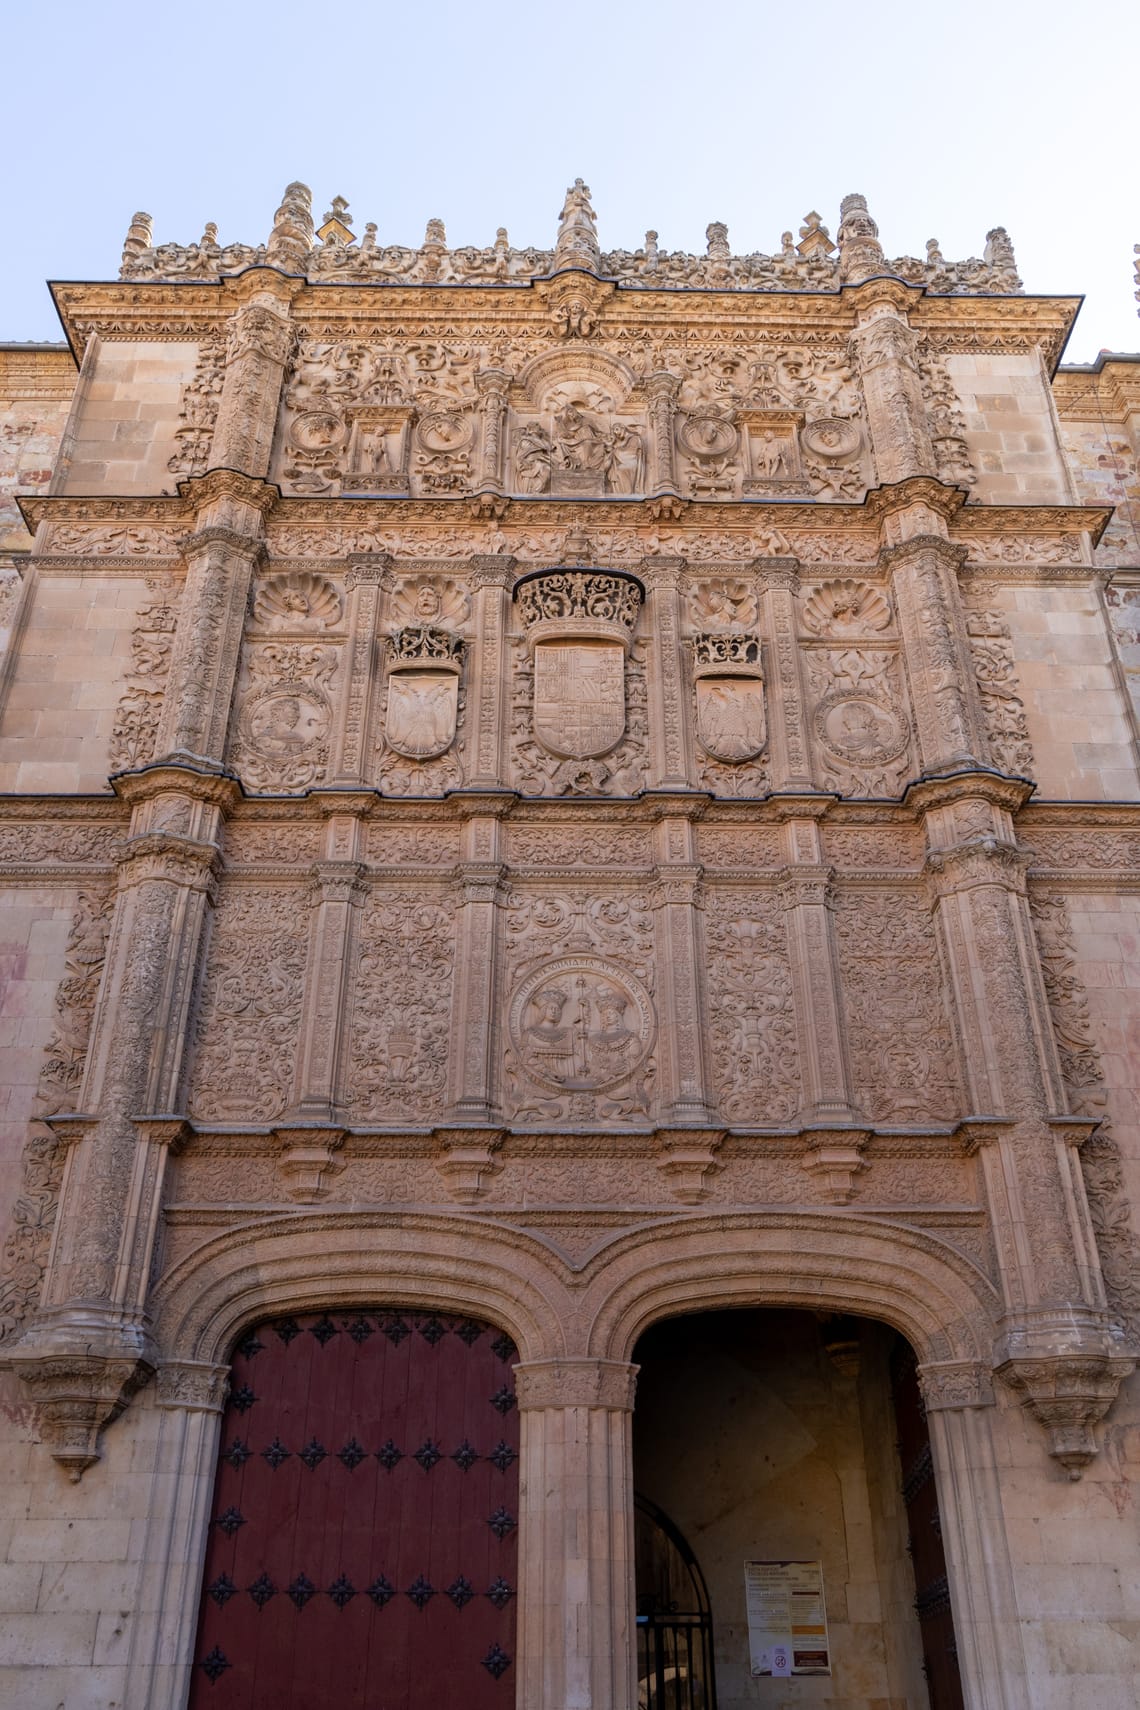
[934,1295]
[313,1260]
[583,364]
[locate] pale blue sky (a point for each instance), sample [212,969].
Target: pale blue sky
[950,118]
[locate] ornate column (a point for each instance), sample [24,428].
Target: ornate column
[368,578]
[883,350]
[668,699]
[683,1079]
[958,1398]
[661,390]
[473,1016]
[825,1073]
[936,654]
[576,1592]
[491,578]
[1058,1349]
[312,1132]
[89,1346]
[493,386]
[190,1396]
[779,581]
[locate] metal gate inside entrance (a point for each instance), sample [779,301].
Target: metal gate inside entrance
[363,1539]
[674,1623]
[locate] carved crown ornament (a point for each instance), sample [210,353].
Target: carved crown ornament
[598,605]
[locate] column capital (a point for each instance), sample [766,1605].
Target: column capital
[576,1383]
[948,1384]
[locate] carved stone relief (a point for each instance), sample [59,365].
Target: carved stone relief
[752,1021]
[201,396]
[578,446]
[249,1014]
[33,1216]
[297,601]
[398,1043]
[424,703]
[947,423]
[579,1001]
[1083,1073]
[140,705]
[729,714]
[844,608]
[1007,731]
[281,734]
[859,720]
[902,1046]
[723,602]
[542,770]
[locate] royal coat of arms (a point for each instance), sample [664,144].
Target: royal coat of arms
[422,709]
[579,697]
[732,723]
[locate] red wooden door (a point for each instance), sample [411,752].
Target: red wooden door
[932,1599]
[363,1540]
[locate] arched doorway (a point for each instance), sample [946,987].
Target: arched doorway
[362,1546]
[674,1621]
[784,1445]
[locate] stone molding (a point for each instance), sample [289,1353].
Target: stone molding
[576,1383]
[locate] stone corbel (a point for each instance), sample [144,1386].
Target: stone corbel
[465,1158]
[1067,1390]
[834,1157]
[308,1159]
[687,1159]
[77,1395]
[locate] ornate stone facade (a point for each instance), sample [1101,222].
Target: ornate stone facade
[607,791]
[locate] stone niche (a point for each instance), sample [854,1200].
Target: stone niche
[579,431]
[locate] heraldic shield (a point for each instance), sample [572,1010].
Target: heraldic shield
[579,697]
[731,723]
[422,709]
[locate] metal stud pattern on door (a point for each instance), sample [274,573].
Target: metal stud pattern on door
[363,1539]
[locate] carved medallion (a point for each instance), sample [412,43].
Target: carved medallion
[832,438]
[859,731]
[579,697]
[580,1024]
[285,721]
[422,709]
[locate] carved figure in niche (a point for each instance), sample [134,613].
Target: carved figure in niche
[580,442]
[535,458]
[770,456]
[623,459]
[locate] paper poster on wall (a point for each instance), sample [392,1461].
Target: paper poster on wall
[787,1618]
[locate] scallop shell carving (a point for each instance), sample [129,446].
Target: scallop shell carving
[296,600]
[846,607]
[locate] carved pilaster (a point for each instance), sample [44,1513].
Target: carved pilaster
[664,578]
[220,557]
[491,578]
[493,386]
[661,389]
[1058,1348]
[259,343]
[338,882]
[93,1310]
[576,1608]
[936,654]
[683,1074]
[791,761]
[473,1021]
[883,349]
[813,956]
[366,582]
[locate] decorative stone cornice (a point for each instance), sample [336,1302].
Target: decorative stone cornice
[576,1383]
[884,290]
[984,861]
[833,1158]
[930,794]
[952,554]
[244,545]
[887,501]
[215,788]
[372,569]
[200,490]
[161,855]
